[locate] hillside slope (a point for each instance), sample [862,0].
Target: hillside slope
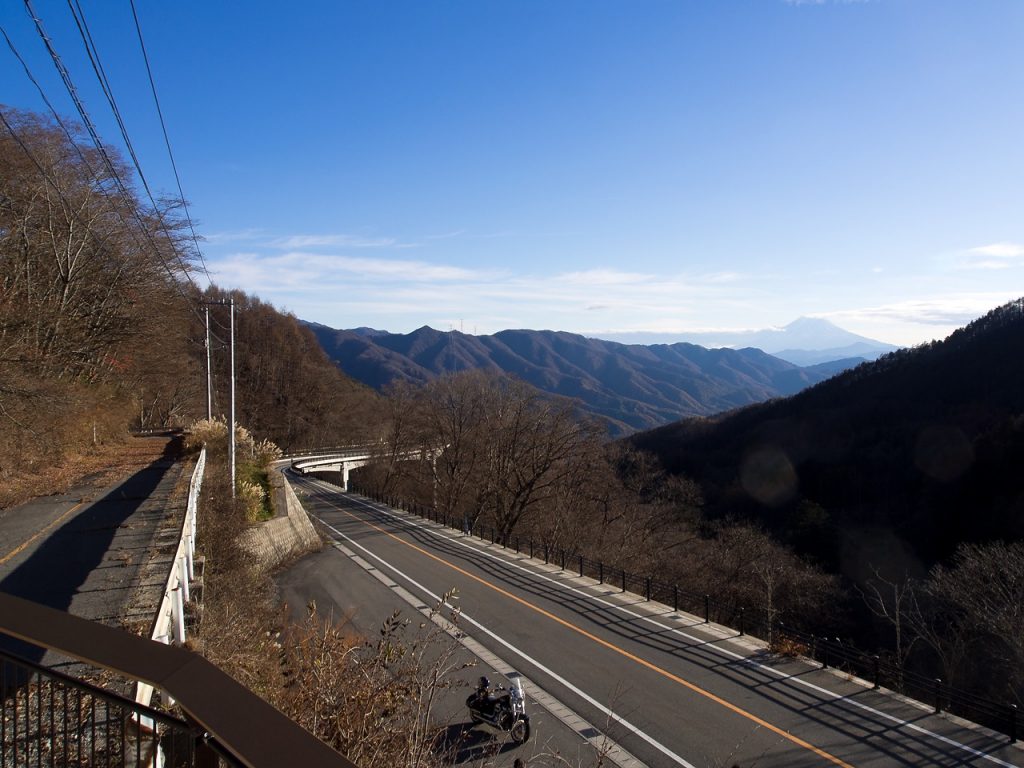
[631,386]
[287,388]
[894,462]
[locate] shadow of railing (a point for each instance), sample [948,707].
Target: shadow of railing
[832,652]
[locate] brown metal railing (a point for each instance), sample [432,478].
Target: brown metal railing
[48,718]
[221,717]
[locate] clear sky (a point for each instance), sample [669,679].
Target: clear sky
[585,165]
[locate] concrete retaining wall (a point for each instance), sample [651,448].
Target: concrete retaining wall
[289,535]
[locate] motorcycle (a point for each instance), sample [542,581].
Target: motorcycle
[503,708]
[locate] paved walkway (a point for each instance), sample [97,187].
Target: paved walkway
[91,551]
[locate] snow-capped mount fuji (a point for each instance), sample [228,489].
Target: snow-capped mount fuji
[813,340]
[805,341]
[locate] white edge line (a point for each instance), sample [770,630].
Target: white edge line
[782,676]
[600,742]
[555,676]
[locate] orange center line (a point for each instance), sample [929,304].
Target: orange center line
[38,533]
[610,646]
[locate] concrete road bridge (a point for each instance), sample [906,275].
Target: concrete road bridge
[346,458]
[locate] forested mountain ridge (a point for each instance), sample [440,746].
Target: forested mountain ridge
[631,386]
[894,462]
[287,388]
[102,328]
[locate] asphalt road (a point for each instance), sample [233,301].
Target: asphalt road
[85,551]
[666,688]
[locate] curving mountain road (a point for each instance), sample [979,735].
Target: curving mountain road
[665,688]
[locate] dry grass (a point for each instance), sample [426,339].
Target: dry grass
[784,645]
[372,701]
[99,465]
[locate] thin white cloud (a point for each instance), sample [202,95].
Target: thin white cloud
[313,272]
[368,289]
[1001,250]
[237,236]
[350,290]
[1002,255]
[445,235]
[723,277]
[603,277]
[335,241]
[951,310]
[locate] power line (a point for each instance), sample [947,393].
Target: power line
[167,140]
[73,210]
[97,65]
[65,77]
[85,161]
[53,111]
[94,135]
[88,166]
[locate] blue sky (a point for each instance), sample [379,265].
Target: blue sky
[592,166]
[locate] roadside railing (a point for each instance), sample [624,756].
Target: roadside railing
[169,622]
[882,672]
[779,631]
[341,451]
[222,719]
[49,718]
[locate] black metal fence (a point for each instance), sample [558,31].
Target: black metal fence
[48,718]
[881,672]
[783,635]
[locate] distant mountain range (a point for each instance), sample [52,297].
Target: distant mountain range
[631,386]
[892,463]
[805,341]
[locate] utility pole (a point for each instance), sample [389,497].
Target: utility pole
[209,373]
[232,426]
[209,387]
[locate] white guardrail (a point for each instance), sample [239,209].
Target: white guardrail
[169,624]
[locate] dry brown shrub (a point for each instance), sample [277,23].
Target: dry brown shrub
[372,701]
[784,645]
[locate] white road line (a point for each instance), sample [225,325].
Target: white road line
[601,743]
[529,659]
[782,676]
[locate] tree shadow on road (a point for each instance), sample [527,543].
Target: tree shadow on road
[59,566]
[466,743]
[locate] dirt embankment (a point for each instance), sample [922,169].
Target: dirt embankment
[101,465]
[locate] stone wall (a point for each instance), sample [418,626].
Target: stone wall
[290,534]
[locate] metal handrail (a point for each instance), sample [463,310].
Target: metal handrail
[77,723]
[237,721]
[169,622]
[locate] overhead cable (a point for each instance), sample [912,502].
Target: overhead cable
[167,140]
[97,65]
[94,135]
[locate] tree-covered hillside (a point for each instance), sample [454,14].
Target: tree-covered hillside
[627,386]
[903,458]
[101,324]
